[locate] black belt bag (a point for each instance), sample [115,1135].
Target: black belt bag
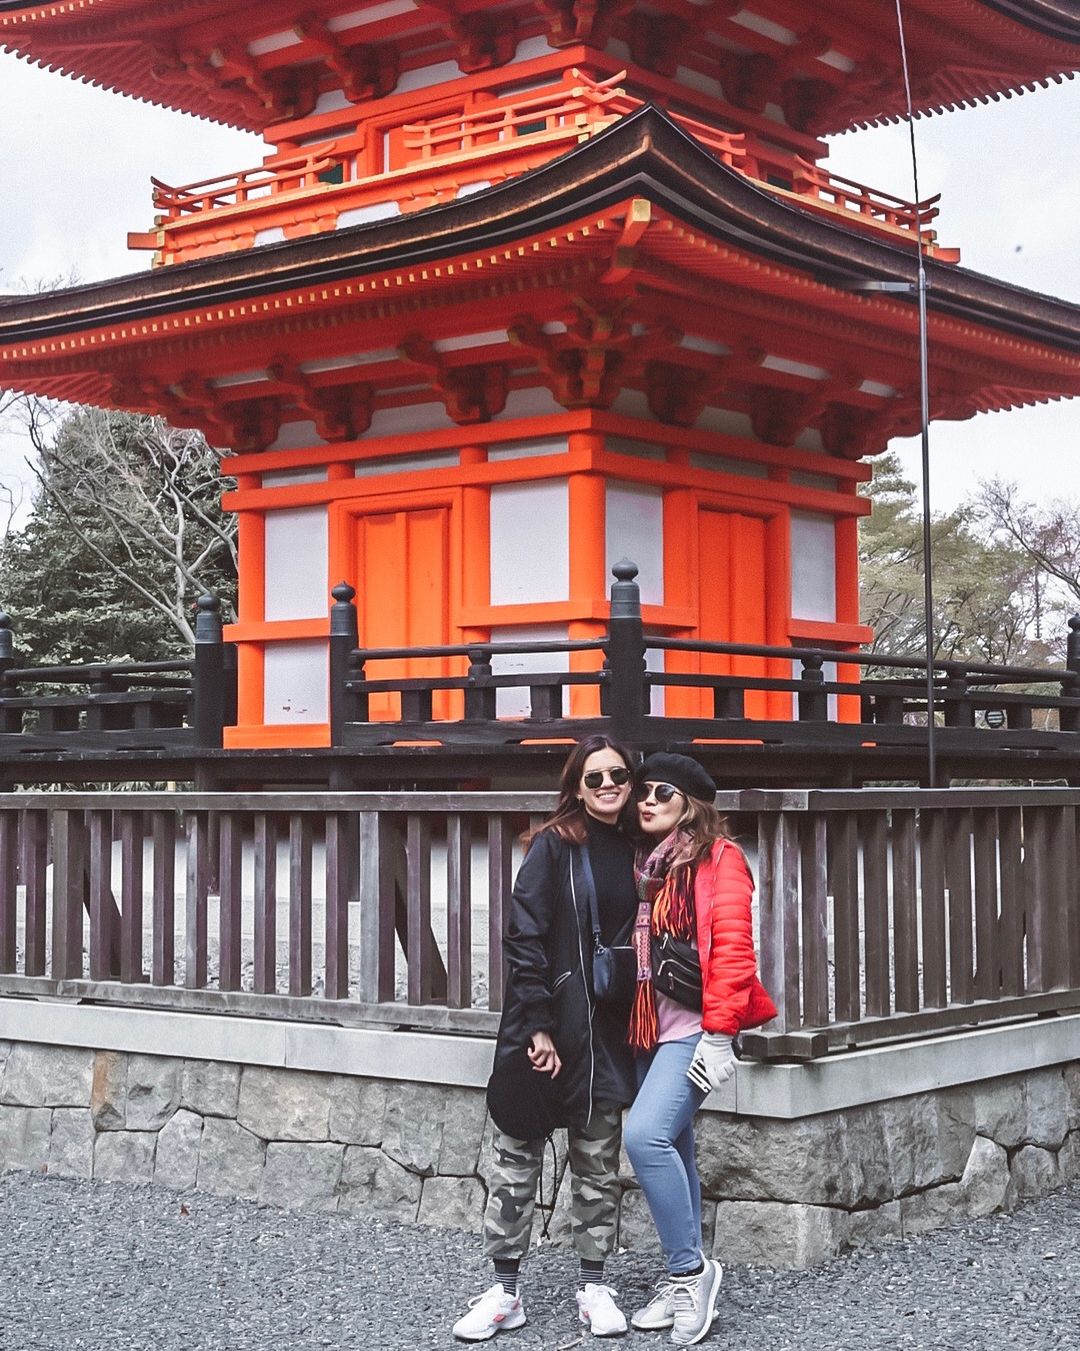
[676,970]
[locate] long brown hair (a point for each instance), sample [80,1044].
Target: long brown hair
[568,818]
[705,826]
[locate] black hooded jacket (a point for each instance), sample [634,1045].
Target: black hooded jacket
[548,951]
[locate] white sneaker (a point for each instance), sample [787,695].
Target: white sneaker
[493,1311]
[694,1298]
[659,1313]
[599,1312]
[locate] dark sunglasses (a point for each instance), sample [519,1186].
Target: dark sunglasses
[595,777]
[663,792]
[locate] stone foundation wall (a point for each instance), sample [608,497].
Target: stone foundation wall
[783,1192]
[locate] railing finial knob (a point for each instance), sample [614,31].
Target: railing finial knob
[208,619]
[343,593]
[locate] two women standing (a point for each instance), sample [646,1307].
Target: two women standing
[681,899]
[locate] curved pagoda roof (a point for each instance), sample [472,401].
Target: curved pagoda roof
[830,65]
[719,286]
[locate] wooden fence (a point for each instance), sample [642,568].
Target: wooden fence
[880,913]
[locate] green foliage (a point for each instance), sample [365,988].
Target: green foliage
[988,592]
[126,530]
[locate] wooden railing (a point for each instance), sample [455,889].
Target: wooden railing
[289,174]
[544,124]
[879,913]
[711,691]
[153,705]
[901,912]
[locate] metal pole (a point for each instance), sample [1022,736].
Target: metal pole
[924,419]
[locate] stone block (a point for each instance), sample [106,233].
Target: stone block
[357,1108]
[1071,1076]
[817,1160]
[874,1226]
[708,1225]
[928,1139]
[284,1104]
[637,1232]
[372,1184]
[1034,1172]
[985,1182]
[301,1176]
[176,1163]
[1000,1114]
[108,1090]
[210,1087]
[24,1137]
[71,1144]
[124,1156]
[1069,1157]
[771,1233]
[933,1209]
[1046,1108]
[452,1202]
[413,1126]
[230,1159]
[462,1133]
[47,1076]
[154,1085]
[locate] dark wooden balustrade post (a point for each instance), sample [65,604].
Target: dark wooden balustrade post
[813,701]
[959,710]
[10,718]
[208,695]
[625,702]
[479,697]
[344,637]
[1070,685]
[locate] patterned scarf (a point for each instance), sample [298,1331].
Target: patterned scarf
[665,905]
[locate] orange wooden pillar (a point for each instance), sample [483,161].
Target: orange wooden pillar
[588,580]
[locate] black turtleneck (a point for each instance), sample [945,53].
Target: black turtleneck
[612,857]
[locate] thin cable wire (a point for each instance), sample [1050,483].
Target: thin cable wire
[924,419]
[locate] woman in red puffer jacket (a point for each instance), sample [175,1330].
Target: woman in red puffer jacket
[697,987]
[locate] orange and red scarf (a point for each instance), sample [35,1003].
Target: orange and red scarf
[665,905]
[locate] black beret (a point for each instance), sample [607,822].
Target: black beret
[525,1103]
[681,772]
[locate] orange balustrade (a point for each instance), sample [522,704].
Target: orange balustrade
[432,160]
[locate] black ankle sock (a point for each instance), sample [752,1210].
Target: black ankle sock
[678,1275]
[592,1273]
[506,1273]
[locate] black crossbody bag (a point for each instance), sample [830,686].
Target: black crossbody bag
[614,968]
[676,970]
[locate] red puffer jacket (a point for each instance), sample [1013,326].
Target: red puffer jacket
[734,998]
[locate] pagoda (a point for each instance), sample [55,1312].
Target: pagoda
[521,288]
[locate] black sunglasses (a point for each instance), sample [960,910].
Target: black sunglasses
[663,792]
[595,777]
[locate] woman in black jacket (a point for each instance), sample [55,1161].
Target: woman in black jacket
[578,854]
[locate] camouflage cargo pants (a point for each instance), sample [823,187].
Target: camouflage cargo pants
[593,1161]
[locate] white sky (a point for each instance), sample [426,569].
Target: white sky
[76,163]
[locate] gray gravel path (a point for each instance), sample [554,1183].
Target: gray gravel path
[108,1266]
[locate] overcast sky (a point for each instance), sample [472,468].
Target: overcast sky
[76,164]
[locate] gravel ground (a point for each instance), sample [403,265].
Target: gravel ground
[100,1265]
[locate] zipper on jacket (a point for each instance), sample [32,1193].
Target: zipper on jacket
[559,979]
[585,983]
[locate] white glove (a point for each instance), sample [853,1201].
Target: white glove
[713,1063]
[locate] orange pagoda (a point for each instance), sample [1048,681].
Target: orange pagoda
[521,288]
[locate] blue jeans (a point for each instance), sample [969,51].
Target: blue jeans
[659,1138]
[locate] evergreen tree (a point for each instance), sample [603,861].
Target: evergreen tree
[126,530]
